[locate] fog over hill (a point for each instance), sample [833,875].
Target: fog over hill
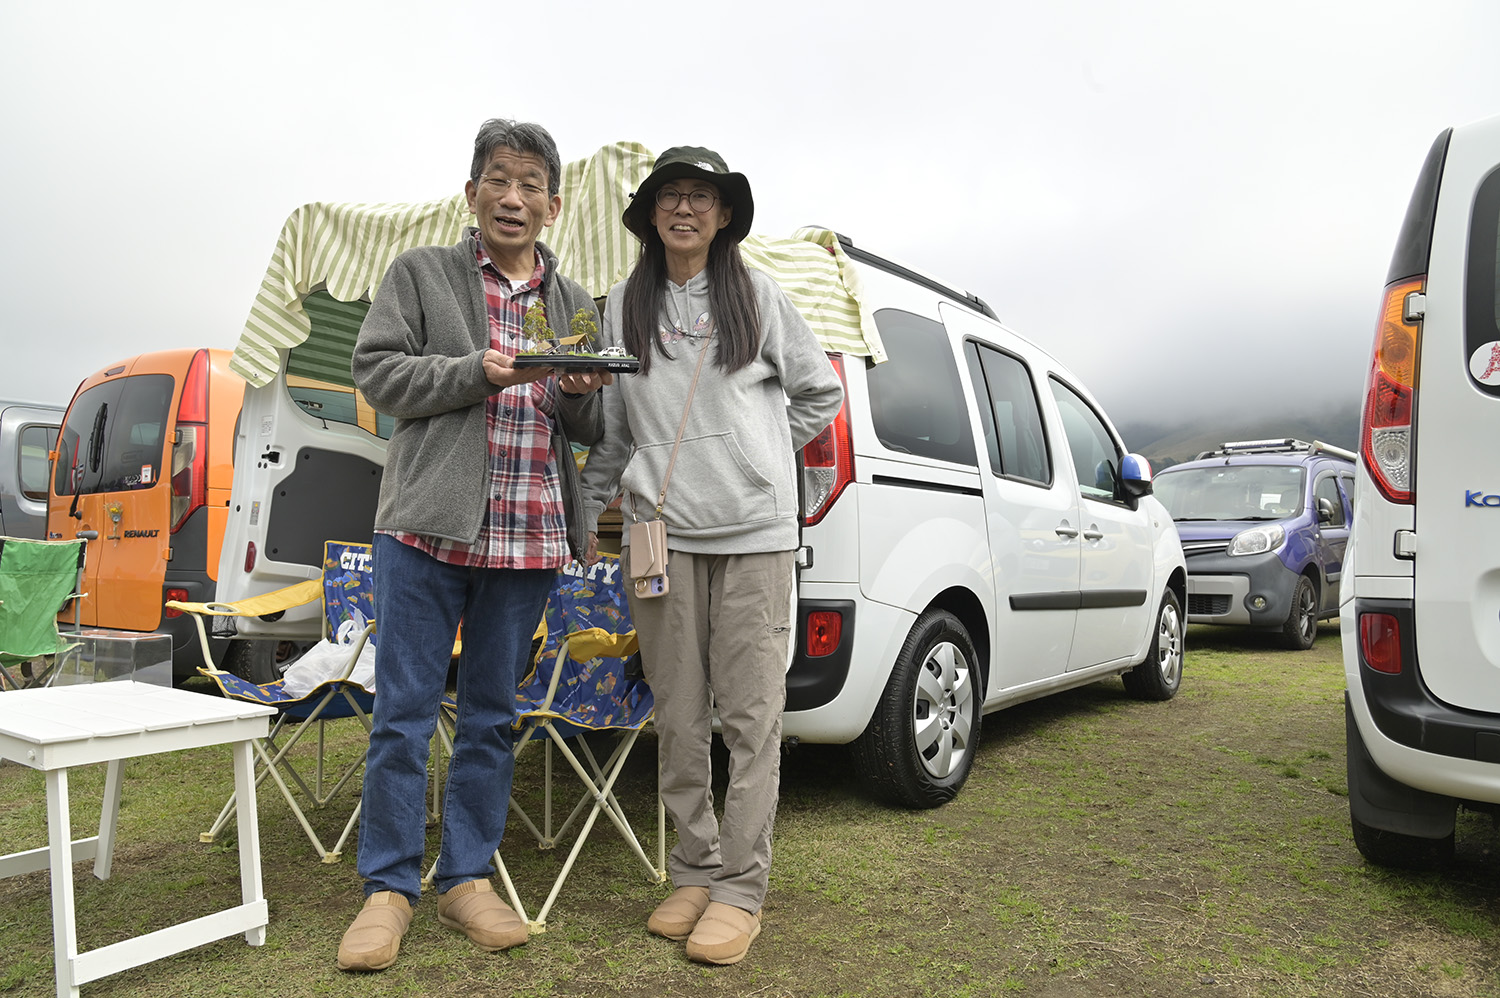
[1165,443]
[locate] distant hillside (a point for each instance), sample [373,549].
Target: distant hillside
[1164,446]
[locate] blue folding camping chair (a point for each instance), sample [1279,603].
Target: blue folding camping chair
[347,591]
[585,679]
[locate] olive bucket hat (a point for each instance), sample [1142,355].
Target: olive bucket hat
[699,164]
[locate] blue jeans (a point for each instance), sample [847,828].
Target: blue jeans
[419,602]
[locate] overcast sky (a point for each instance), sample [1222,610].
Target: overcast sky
[1191,204]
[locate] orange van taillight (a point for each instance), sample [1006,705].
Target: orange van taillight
[1385,433]
[190,445]
[180,595]
[827,460]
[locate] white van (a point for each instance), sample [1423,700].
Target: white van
[1421,599]
[975,533]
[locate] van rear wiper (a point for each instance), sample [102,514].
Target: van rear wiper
[96,453]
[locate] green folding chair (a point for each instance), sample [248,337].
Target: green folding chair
[36,579]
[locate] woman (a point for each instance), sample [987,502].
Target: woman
[720,636]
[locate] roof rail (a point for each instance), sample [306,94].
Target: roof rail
[915,276]
[1285,445]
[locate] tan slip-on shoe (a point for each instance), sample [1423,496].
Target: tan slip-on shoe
[723,935]
[676,917]
[474,909]
[373,941]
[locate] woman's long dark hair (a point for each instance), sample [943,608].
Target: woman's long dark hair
[731,303]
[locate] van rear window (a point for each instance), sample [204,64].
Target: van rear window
[114,438]
[916,400]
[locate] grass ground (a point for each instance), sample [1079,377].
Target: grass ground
[1102,846]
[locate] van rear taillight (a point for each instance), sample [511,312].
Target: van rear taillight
[827,460]
[1380,642]
[190,445]
[1385,434]
[180,595]
[249,557]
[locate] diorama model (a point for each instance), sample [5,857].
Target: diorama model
[570,353]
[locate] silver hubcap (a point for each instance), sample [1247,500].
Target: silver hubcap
[1308,618]
[1169,645]
[943,710]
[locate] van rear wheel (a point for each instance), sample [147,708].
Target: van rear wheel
[919,747]
[252,661]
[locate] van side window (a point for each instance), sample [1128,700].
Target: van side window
[318,371]
[916,400]
[1346,485]
[1327,487]
[36,441]
[1096,456]
[114,437]
[1009,413]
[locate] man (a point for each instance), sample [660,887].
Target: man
[478,508]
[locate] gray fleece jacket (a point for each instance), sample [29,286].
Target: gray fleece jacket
[733,490]
[419,358]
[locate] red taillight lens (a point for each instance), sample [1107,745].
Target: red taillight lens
[827,460]
[825,628]
[190,448]
[250,557]
[1380,642]
[1385,432]
[180,595]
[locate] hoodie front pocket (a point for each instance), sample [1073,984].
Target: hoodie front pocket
[715,488]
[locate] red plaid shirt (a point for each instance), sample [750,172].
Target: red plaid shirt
[524,525]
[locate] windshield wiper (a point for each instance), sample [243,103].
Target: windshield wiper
[96,454]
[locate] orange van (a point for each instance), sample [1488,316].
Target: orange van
[142,471]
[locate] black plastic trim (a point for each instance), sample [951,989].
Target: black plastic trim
[1414,244]
[813,682]
[1093,599]
[1404,709]
[912,483]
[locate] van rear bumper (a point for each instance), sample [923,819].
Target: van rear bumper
[1404,711]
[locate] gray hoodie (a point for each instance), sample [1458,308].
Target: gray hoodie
[733,490]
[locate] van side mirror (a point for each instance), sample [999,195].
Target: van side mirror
[1325,511]
[1135,476]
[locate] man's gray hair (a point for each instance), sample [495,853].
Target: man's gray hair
[522,136]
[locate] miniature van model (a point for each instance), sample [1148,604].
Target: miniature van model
[1264,524]
[975,533]
[28,431]
[1421,605]
[142,472]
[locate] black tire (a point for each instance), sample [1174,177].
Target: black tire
[1301,627]
[919,746]
[1159,676]
[1398,851]
[253,661]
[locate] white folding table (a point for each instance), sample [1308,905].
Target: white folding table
[55,729]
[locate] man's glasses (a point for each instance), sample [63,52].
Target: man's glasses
[499,185]
[700,200]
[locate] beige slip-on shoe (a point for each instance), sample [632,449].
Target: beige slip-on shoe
[723,935]
[676,917]
[373,941]
[474,909]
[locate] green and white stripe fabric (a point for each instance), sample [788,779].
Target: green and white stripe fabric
[346,248]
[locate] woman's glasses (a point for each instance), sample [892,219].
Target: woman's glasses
[668,198]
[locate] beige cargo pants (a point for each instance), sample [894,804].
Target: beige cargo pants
[720,637]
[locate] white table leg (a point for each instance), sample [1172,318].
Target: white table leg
[249,832]
[109,816]
[64,926]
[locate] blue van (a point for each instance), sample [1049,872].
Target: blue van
[1264,524]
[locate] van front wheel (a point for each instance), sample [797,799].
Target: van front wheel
[919,746]
[1301,627]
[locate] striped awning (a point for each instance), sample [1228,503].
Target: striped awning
[345,248]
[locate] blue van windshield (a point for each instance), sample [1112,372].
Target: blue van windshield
[1232,492]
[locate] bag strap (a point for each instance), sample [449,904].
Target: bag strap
[661,499]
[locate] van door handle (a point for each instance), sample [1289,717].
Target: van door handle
[1093,533]
[1064,530]
[87,535]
